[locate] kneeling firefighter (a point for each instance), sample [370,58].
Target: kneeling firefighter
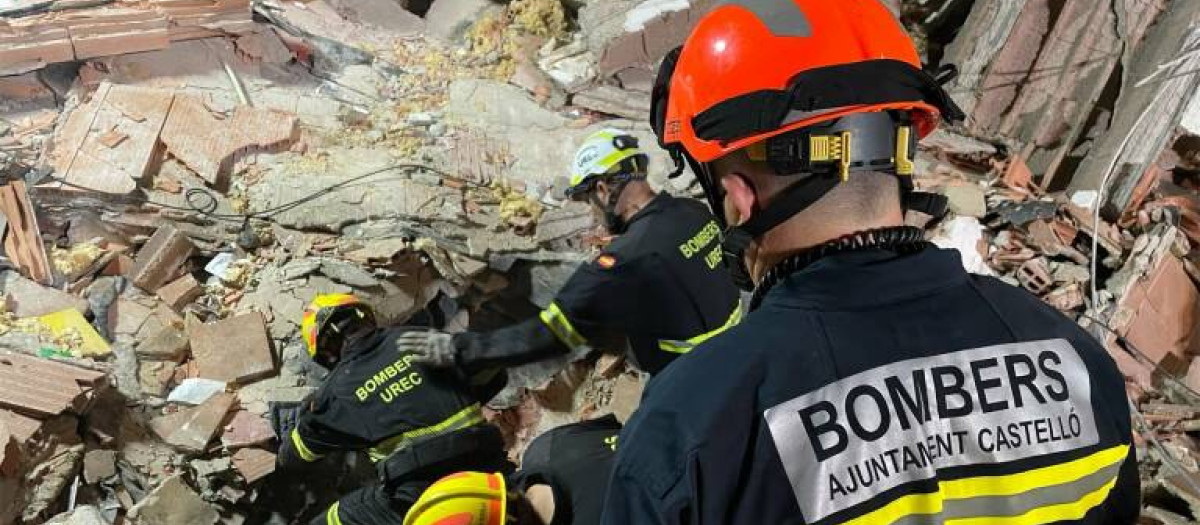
[658,288]
[562,481]
[415,423]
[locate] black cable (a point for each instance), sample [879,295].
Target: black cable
[205,202]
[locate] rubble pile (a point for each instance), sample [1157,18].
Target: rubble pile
[181,177]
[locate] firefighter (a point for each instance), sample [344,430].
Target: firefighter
[561,482]
[416,424]
[657,289]
[874,380]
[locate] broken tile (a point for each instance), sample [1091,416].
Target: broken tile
[174,501]
[44,388]
[235,350]
[1166,314]
[191,429]
[211,144]
[159,260]
[180,292]
[99,465]
[254,464]
[23,242]
[82,156]
[246,429]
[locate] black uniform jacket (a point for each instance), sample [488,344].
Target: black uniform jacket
[574,461]
[379,401]
[661,284]
[876,388]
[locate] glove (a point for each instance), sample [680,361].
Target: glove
[284,417]
[430,348]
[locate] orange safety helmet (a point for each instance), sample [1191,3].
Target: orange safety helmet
[755,69]
[821,88]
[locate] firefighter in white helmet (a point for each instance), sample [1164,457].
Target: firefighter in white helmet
[657,289]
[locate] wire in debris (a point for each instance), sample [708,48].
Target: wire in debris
[206,202]
[1145,429]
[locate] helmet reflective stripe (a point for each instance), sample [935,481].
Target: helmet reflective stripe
[600,155]
[466,498]
[318,313]
[782,17]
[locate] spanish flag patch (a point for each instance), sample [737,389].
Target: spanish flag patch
[606,261]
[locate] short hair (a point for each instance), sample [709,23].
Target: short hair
[865,194]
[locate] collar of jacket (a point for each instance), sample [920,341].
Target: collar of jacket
[656,204]
[868,279]
[363,344]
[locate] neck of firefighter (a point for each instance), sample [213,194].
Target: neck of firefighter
[867,201]
[636,196]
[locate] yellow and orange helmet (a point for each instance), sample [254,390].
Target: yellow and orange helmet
[465,498]
[322,310]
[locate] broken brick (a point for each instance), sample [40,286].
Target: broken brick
[180,292]
[210,144]
[254,464]
[159,260]
[1035,276]
[246,429]
[1166,315]
[235,350]
[191,429]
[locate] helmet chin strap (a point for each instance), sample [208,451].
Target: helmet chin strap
[613,222]
[796,199]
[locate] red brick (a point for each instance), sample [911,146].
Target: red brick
[180,292]
[159,260]
[235,350]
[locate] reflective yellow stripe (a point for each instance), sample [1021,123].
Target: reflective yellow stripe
[554,319]
[683,347]
[1049,514]
[305,453]
[467,417]
[331,516]
[1010,485]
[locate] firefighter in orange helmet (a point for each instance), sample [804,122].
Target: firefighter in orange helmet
[874,380]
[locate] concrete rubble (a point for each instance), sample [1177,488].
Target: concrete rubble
[180,177]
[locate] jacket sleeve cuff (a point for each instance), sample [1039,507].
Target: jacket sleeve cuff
[302,449]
